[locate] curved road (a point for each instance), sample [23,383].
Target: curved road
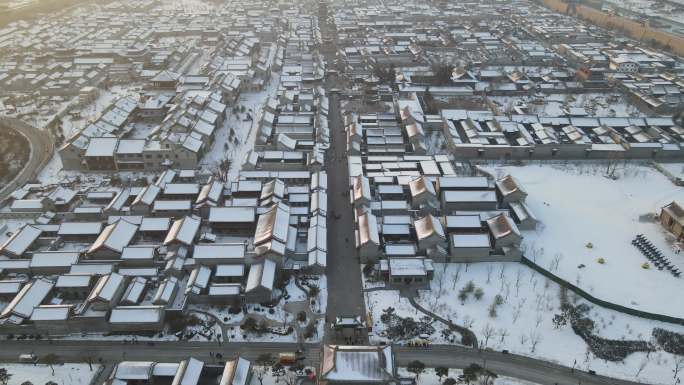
[510,365]
[42,146]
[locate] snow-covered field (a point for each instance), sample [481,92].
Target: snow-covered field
[577,205]
[65,374]
[523,322]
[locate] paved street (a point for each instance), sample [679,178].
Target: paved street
[345,297]
[160,351]
[524,368]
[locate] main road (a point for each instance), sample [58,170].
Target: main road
[111,352]
[42,146]
[345,297]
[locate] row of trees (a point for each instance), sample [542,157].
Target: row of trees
[49,359]
[473,373]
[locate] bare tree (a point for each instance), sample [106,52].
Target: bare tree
[503,333]
[440,282]
[516,314]
[535,339]
[679,365]
[487,332]
[50,360]
[490,268]
[555,262]
[508,291]
[539,319]
[260,373]
[290,378]
[641,367]
[518,277]
[457,273]
[263,362]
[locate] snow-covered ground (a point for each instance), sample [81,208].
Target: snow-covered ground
[595,104]
[428,377]
[276,317]
[578,206]
[676,169]
[235,148]
[91,112]
[65,374]
[524,319]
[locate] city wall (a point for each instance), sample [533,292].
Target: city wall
[631,28]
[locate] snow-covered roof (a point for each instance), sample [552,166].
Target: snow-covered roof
[420,186]
[53,259]
[155,224]
[273,224]
[51,312]
[509,185]
[73,280]
[130,146]
[470,196]
[148,195]
[138,253]
[106,287]
[236,372]
[231,214]
[133,370]
[413,267]
[183,230]
[30,296]
[368,229]
[225,289]
[80,228]
[210,192]
[470,240]
[172,205]
[134,291]
[11,286]
[428,226]
[358,364]
[181,189]
[189,372]
[21,240]
[361,188]
[166,291]
[218,251]
[400,250]
[501,226]
[136,314]
[261,275]
[115,237]
[455,182]
[463,221]
[101,147]
[232,270]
